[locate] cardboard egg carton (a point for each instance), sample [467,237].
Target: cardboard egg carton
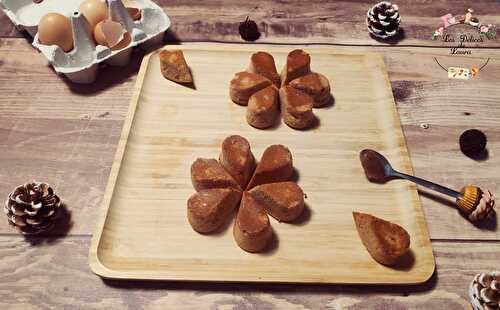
[80,64]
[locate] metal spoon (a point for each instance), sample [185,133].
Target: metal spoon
[378,169]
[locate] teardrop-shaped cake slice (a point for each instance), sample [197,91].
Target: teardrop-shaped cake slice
[252,230]
[209,173]
[263,108]
[237,158]
[315,85]
[284,200]
[244,85]
[263,63]
[298,63]
[208,209]
[296,107]
[385,241]
[275,166]
[174,66]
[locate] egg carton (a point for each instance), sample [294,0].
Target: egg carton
[81,64]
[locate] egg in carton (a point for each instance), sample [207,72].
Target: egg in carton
[81,59]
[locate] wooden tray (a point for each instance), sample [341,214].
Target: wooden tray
[144,234]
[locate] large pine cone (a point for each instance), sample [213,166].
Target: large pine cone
[383,20]
[32,208]
[484,291]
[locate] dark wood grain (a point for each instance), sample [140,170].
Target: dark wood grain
[339,22]
[56,275]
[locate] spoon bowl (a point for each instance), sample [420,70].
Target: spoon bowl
[379,170]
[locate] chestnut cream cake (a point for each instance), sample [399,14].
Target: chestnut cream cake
[235,180]
[208,209]
[263,108]
[300,91]
[263,63]
[209,173]
[298,63]
[276,165]
[315,85]
[284,201]
[237,158]
[252,230]
[174,67]
[297,108]
[386,242]
[244,85]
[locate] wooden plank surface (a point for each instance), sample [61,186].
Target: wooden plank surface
[34,97]
[56,275]
[54,112]
[339,22]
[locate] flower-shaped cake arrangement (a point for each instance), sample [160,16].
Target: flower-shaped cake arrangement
[296,91]
[258,189]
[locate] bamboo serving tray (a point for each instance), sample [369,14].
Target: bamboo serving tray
[143,232]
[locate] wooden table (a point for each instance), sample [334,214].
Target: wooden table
[67,134]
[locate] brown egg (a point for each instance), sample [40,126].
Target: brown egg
[134,13]
[55,29]
[94,11]
[111,34]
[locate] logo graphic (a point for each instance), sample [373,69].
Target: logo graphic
[462,33]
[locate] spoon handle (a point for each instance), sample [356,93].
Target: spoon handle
[428,184]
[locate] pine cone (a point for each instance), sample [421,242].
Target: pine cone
[32,208]
[484,291]
[383,20]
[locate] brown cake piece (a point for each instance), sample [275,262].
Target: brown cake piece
[315,85]
[237,158]
[263,108]
[244,85]
[174,66]
[298,63]
[252,230]
[296,108]
[275,166]
[263,63]
[208,209]
[385,241]
[209,173]
[284,201]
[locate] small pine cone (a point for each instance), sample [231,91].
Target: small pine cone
[383,20]
[484,291]
[32,208]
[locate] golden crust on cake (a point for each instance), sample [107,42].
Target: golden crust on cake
[208,209]
[263,63]
[237,158]
[245,84]
[252,229]
[263,108]
[276,165]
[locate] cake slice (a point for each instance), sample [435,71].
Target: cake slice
[209,173]
[315,85]
[284,201]
[252,230]
[275,166]
[296,108]
[237,158]
[208,209]
[244,85]
[385,241]
[263,108]
[174,66]
[263,63]
[298,63]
